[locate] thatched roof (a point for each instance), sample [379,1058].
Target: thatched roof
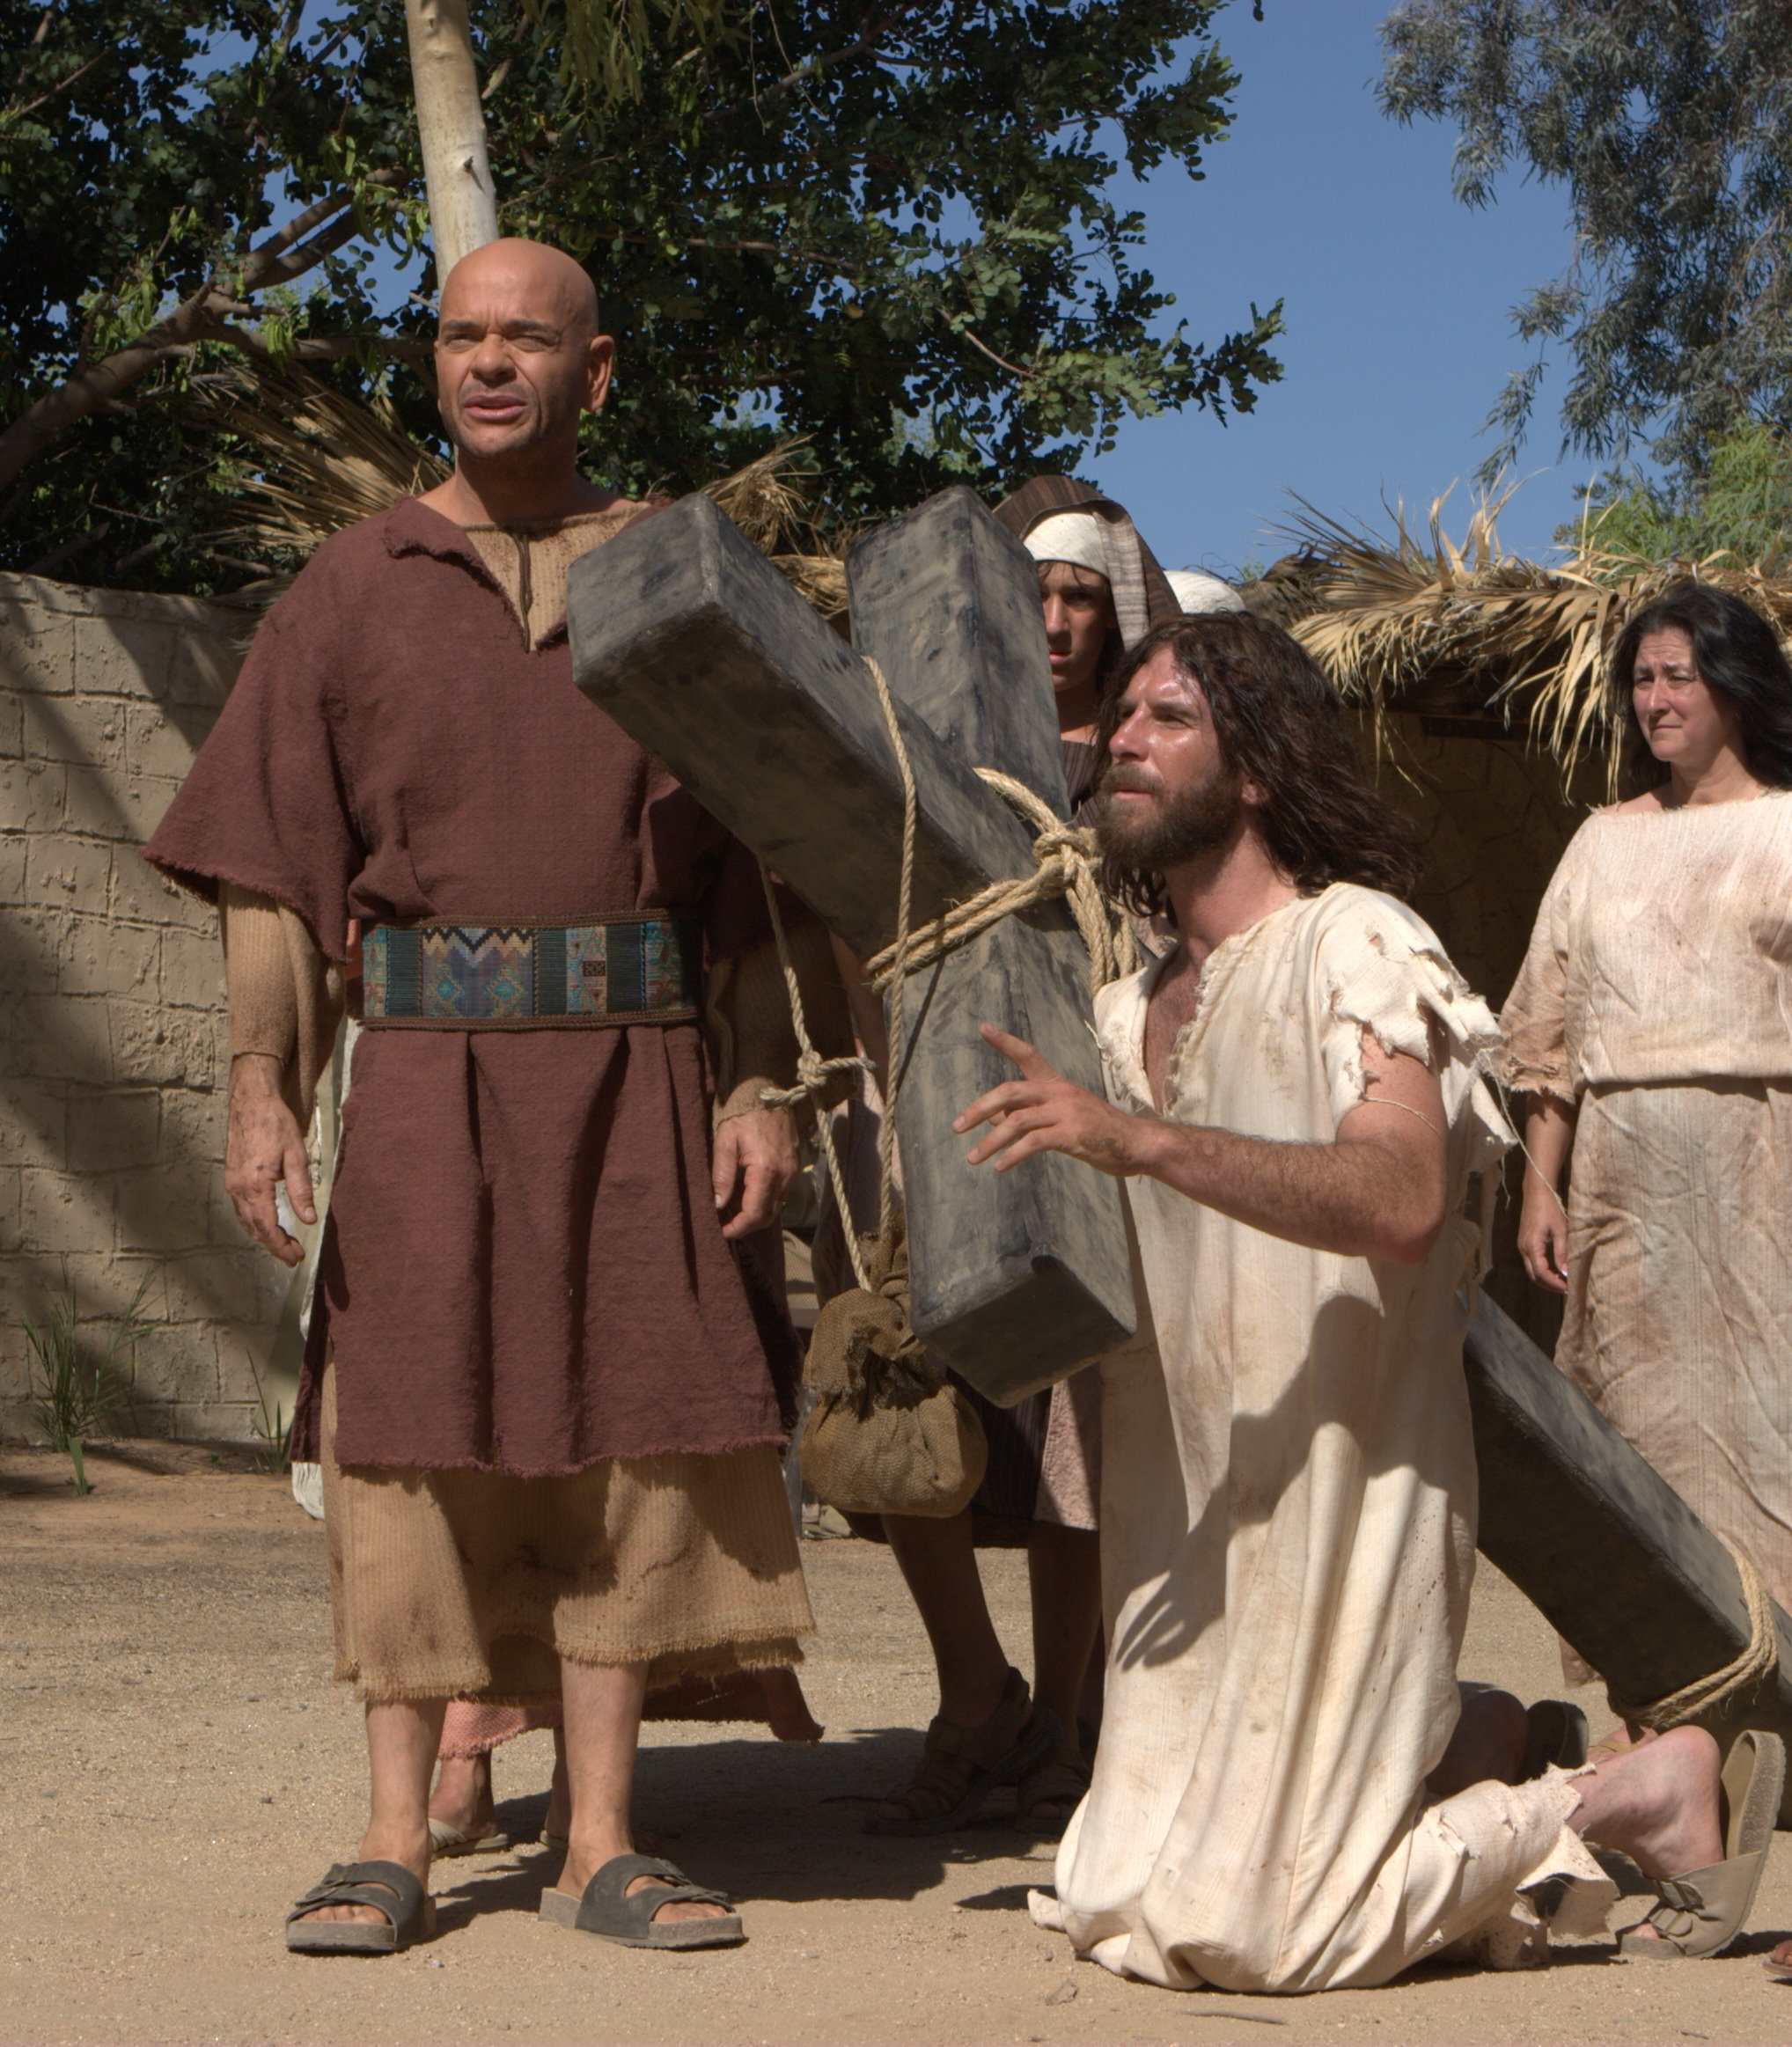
[315,461]
[1474,633]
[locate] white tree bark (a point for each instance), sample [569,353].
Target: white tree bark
[463,204]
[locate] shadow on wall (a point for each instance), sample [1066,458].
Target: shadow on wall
[111,1006]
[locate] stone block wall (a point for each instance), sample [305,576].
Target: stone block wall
[114,1047]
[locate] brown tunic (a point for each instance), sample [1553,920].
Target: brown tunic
[522,1271]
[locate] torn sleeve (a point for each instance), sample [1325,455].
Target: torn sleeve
[1534,1057]
[1381,970]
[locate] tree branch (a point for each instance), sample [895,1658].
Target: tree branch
[203,316]
[12,114]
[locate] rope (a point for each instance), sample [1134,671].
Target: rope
[1066,863]
[1758,1660]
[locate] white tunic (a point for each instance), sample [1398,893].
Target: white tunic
[1656,997]
[1288,1516]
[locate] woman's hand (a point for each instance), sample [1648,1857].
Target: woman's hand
[1543,1235]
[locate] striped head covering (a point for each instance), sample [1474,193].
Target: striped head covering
[1142,598]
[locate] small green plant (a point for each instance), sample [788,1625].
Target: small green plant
[273,1431]
[81,1384]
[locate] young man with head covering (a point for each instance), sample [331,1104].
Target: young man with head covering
[1102,591]
[1289,1794]
[544,1376]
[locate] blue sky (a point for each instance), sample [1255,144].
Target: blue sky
[1397,306]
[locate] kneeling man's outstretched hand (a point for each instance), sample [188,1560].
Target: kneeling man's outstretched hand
[1043,1111]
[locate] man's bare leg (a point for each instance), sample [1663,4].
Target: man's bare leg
[937,1557]
[602,1732]
[402,1738]
[463,1794]
[1064,1579]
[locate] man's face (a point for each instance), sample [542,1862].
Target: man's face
[1169,795]
[1079,614]
[518,356]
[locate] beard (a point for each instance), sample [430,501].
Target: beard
[1180,827]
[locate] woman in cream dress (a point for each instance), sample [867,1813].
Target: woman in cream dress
[1651,1029]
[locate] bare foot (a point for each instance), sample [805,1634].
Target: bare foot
[1656,1803]
[1488,1742]
[584,1861]
[1622,1739]
[1779,1964]
[463,1795]
[411,1850]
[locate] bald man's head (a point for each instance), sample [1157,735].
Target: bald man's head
[518,356]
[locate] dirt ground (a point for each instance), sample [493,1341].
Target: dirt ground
[178,1766]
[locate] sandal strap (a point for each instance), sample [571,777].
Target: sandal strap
[607,1895]
[952,1756]
[388,1887]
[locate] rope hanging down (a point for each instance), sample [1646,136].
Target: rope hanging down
[1066,865]
[1758,1659]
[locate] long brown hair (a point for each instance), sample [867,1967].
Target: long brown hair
[1279,725]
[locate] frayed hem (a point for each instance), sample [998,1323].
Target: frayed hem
[360,1467]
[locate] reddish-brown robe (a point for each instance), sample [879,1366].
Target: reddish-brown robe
[523,1269]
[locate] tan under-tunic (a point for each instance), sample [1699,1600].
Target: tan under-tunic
[1656,997]
[465,1584]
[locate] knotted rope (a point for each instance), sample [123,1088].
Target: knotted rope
[1758,1659]
[1065,864]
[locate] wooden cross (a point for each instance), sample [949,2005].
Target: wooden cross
[704,654]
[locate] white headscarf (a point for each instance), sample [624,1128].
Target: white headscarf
[1197,592]
[1074,537]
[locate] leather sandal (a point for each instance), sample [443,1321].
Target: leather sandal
[388,1887]
[1702,1911]
[446,1839]
[608,1909]
[961,1766]
[1060,1778]
[1555,1731]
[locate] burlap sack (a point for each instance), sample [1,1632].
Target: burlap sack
[887,1433]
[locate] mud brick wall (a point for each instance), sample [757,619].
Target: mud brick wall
[114,1047]
[1493,820]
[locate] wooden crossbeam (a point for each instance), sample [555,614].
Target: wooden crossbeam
[1599,1542]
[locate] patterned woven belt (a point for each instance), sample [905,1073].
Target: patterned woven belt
[486,977]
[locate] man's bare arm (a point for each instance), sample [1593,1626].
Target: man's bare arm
[1379,1190]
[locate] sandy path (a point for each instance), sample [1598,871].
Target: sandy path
[176,1767]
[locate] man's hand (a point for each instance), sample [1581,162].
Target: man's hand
[1543,1235]
[265,1146]
[754,1164]
[1043,1111]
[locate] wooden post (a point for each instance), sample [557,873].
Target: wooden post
[704,654]
[450,126]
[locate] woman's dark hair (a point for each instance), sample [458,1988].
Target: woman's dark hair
[1737,654]
[1279,725]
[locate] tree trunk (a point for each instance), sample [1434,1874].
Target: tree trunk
[450,126]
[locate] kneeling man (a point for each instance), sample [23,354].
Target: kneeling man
[1288,1514]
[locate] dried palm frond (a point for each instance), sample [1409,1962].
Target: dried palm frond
[317,461]
[1388,617]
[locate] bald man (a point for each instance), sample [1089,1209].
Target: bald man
[548,1368]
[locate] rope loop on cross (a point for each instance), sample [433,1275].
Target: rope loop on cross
[1758,1659]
